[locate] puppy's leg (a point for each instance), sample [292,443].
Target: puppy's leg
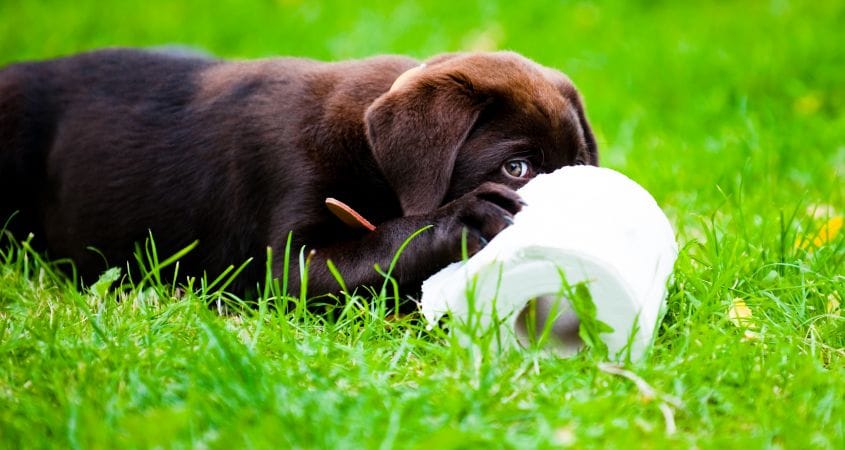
[483,213]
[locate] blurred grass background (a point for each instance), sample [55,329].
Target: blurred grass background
[730,113]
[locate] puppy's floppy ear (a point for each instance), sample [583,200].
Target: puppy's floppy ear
[589,154]
[589,138]
[416,129]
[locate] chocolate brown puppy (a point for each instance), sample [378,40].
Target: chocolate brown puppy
[101,149]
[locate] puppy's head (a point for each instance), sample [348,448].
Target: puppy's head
[459,120]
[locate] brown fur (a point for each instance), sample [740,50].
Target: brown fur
[101,148]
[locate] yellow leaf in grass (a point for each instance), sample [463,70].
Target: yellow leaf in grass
[828,231]
[740,314]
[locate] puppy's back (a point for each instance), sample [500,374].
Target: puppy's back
[35,96]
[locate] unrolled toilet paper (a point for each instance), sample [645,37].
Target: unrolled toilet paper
[588,224]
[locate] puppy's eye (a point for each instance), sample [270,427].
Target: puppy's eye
[517,168]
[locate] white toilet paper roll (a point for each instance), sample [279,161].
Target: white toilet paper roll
[594,226]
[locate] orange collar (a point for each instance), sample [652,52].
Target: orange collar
[348,215]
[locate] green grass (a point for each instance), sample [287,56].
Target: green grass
[731,113]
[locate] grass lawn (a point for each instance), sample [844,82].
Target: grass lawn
[731,113]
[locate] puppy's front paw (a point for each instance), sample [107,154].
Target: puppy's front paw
[484,213]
